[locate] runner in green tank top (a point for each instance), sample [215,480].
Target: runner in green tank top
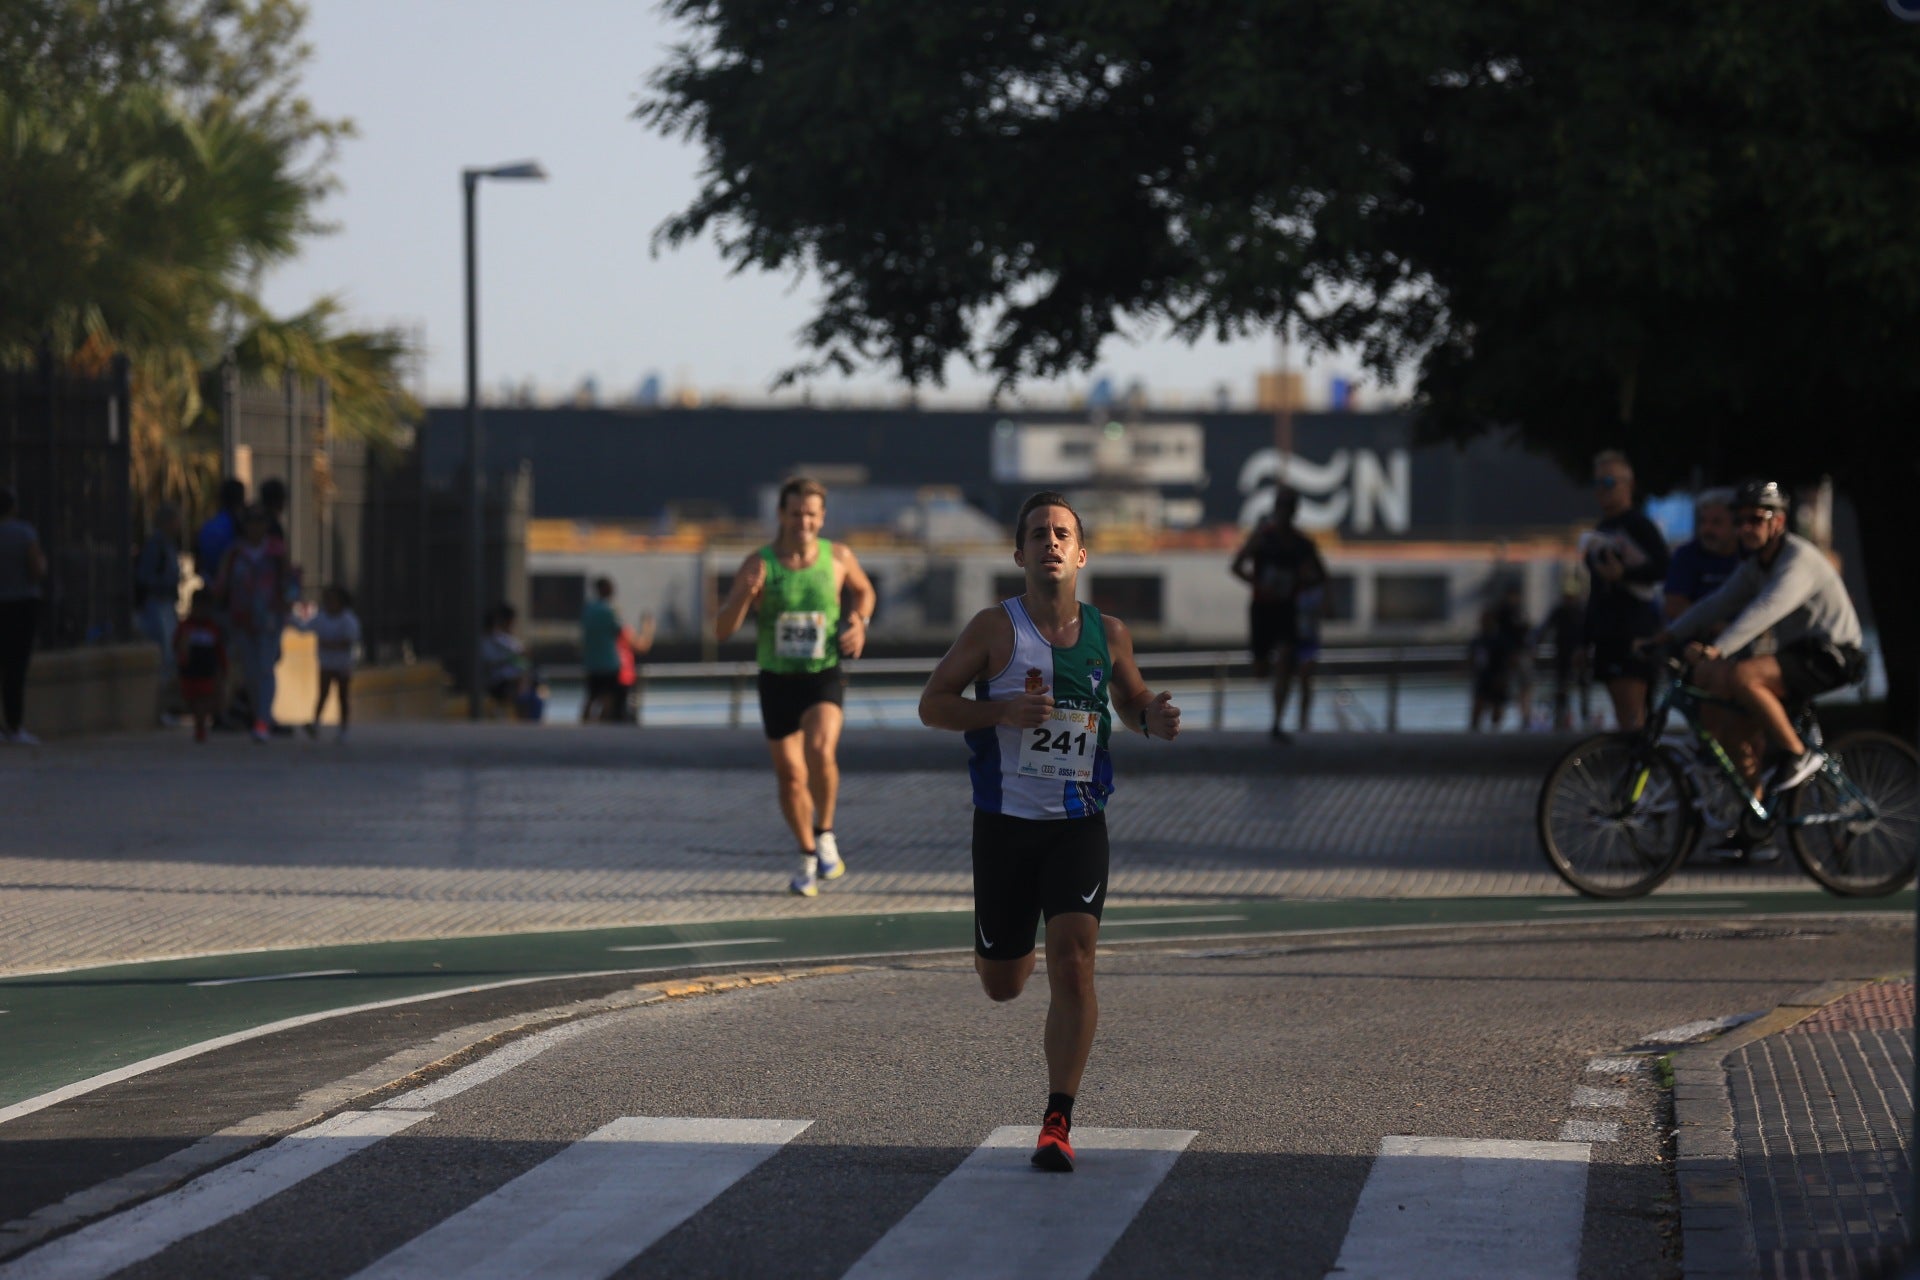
[798,581]
[1050,678]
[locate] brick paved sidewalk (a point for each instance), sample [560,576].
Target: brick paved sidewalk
[146,846]
[1812,1176]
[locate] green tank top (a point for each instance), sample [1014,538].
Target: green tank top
[799,615]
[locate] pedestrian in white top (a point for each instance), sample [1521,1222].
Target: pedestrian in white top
[337,633]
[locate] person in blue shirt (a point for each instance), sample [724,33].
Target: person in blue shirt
[220,531]
[1702,566]
[602,638]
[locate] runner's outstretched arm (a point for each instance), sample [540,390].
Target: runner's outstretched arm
[740,596]
[1135,705]
[853,636]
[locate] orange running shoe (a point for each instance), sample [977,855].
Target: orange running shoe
[1055,1153]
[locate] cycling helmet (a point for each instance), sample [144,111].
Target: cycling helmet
[1765,494]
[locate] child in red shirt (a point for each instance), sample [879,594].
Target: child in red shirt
[201,658]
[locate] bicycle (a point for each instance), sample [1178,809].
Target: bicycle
[1619,813]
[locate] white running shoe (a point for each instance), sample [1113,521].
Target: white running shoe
[1798,769]
[805,884]
[832,867]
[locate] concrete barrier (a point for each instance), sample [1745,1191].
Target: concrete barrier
[110,689]
[100,689]
[415,691]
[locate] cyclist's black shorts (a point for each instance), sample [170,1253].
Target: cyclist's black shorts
[1810,667]
[1614,659]
[784,698]
[1026,868]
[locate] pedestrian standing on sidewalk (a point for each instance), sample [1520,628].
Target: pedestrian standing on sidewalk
[799,580]
[336,633]
[1279,563]
[156,596]
[253,581]
[1626,559]
[211,542]
[23,567]
[200,659]
[608,649]
[1050,677]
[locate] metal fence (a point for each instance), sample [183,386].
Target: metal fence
[65,449]
[365,518]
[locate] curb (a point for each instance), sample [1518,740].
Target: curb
[1716,1219]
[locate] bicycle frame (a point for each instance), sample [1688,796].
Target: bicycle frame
[1688,699]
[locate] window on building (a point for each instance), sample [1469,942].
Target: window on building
[556,597]
[937,593]
[1008,585]
[1133,597]
[1411,597]
[1337,604]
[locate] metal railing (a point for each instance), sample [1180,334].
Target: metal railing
[1216,668]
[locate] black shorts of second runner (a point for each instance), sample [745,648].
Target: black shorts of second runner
[785,698]
[1027,869]
[1272,625]
[1614,659]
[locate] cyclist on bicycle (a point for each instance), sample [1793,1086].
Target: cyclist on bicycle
[1786,585]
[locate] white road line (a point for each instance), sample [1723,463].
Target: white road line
[1123,924]
[1694,1030]
[1590,1131]
[39,1102]
[1584,1096]
[1465,1209]
[1662,905]
[1617,1066]
[144,1230]
[273,977]
[996,1215]
[497,1063]
[596,1206]
[688,946]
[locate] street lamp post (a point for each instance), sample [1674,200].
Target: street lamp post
[476,546]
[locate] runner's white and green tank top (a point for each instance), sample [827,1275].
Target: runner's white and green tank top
[1060,769]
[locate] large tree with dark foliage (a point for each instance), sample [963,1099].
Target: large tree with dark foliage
[1679,229]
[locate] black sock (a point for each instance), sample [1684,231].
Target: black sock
[1063,1103]
[822,831]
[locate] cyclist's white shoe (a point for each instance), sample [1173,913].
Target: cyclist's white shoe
[1797,769]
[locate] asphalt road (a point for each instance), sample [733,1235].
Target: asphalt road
[1288,1060]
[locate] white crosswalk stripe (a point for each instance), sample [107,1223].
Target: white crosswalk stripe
[996,1215]
[142,1231]
[595,1206]
[1466,1209]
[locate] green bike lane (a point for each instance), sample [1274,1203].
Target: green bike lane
[60,1032]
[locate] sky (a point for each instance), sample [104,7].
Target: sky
[570,286]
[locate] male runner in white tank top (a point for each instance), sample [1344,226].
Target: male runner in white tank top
[1051,676]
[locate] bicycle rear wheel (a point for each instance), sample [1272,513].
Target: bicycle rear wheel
[1860,841]
[1614,817]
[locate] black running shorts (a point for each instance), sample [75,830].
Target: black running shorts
[1028,868]
[1614,659]
[785,698]
[1272,625]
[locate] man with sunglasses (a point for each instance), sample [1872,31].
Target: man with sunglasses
[1788,587]
[1626,559]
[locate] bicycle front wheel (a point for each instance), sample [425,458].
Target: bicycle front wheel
[1858,834]
[1614,818]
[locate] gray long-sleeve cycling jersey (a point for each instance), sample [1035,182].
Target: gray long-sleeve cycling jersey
[1799,596]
